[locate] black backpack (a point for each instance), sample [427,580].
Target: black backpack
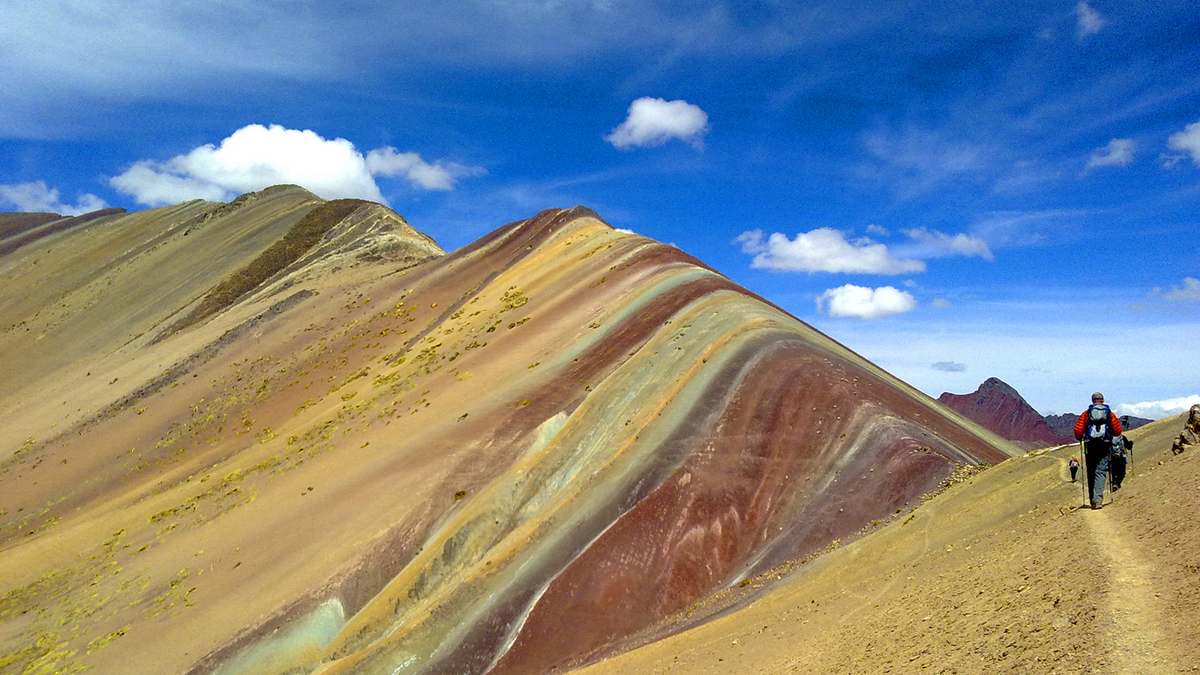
[1098,424]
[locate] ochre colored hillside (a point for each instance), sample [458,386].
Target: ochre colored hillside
[529,454]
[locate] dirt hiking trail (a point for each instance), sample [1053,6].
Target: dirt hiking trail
[1004,572]
[1139,643]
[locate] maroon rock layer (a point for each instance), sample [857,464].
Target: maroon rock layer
[384,459]
[998,407]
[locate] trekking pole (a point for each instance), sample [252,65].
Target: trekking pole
[1109,482]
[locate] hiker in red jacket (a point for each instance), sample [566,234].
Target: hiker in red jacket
[1096,428]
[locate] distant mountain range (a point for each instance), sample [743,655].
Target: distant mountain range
[997,407]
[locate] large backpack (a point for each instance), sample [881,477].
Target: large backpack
[1098,425]
[1121,445]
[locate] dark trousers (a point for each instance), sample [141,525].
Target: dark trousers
[1096,456]
[1118,463]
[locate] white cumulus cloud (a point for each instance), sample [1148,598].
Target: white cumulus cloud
[654,121]
[1157,410]
[1118,152]
[865,303]
[255,157]
[823,250]
[1187,141]
[1088,20]
[37,197]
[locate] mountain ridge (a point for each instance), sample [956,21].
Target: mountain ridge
[1000,408]
[431,462]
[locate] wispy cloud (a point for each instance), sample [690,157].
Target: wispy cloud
[939,244]
[858,302]
[1002,229]
[440,175]
[1118,152]
[654,121]
[38,197]
[1087,20]
[1187,141]
[823,250]
[949,366]
[1026,176]
[1012,338]
[915,161]
[118,52]
[132,51]
[255,157]
[1188,292]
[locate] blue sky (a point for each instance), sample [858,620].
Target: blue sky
[955,190]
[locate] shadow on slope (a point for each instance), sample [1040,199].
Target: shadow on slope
[295,242]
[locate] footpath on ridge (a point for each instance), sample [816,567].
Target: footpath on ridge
[1004,572]
[1138,642]
[1151,547]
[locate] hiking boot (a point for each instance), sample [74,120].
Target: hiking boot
[1116,487]
[1096,505]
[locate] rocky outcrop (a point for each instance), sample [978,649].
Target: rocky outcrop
[998,407]
[1190,436]
[1062,425]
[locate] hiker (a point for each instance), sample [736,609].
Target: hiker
[1074,467]
[1122,446]
[1096,427]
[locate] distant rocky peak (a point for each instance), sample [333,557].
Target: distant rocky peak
[994,386]
[998,407]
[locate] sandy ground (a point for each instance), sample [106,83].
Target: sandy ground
[1002,573]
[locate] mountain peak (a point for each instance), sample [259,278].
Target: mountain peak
[998,407]
[994,385]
